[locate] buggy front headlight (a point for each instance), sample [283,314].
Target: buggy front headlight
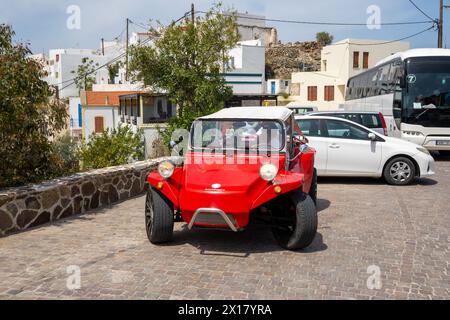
[268,171]
[166,169]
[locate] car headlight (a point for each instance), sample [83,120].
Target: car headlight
[421,149]
[166,169]
[268,171]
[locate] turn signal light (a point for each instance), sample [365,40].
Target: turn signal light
[160,185]
[277,189]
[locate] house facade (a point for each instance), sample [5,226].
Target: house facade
[148,112]
[325,89]
[100,111]
[246,74]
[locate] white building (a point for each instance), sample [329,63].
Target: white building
[62,64]
[247,63]
[339,61]
[278,86]
[252,27]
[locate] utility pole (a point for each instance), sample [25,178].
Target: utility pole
[103,46]
[126,52]
[441,23]
[192,13]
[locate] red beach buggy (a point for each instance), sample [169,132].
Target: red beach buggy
[240,162]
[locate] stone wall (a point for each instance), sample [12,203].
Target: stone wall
[284,59]
[25,207]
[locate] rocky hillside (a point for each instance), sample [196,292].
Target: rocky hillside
[283,59]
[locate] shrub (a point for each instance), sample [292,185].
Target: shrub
[66,148]
[113,147]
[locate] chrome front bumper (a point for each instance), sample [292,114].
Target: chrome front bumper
[204,212]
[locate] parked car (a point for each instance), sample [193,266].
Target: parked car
[369,119]
[302,109]
[345,148]
[240,163]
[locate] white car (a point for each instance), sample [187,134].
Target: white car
[345,148]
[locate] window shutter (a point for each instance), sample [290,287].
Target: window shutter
[355,59]
[99,125]
[365,60]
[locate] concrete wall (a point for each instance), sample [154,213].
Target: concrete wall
[29,206]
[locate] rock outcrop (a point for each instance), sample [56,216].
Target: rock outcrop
[283,59]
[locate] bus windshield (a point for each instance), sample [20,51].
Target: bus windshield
[426,98]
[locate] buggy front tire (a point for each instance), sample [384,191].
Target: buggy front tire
[302,219]
[158,217]
[313,189]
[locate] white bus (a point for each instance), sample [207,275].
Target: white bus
[412,90]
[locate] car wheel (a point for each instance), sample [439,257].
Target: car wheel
[399,171]
[295,227]
[444,153]
[313,189]
[158,217]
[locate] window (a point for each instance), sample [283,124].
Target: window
[344,130]
[99,125]
[312,93]
[310,128]
[356,59]
[365,60]
[329,93]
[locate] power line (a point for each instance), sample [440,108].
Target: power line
[386,42]
[420,10]
[324,23]
[102,66]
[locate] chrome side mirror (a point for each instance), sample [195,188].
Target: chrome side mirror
[304,148]
[372,136]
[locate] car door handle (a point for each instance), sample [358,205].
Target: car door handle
[334,146]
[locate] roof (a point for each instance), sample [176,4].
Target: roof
[272,113]
[105,98]
[424,52]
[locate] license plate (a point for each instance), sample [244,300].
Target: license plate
[443,143]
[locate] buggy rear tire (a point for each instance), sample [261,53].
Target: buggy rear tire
[158,217]
[303,226]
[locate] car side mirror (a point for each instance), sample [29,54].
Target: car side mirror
[372,136]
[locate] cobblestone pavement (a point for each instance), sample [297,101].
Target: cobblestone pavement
[363,225]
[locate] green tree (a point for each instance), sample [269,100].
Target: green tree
[113,147]
[29,116]
[324,38]
[113,70]
[85,76]
[187,61]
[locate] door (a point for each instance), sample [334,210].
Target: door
[350,151]
[272,87]
[312,129]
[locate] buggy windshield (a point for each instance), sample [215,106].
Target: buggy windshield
[266,135]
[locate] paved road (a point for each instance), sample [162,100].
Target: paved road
[365,227]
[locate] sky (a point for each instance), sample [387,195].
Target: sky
[49,24]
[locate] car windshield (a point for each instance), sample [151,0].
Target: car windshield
[267,135]
[427,94]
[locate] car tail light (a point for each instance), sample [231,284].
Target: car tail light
[383,124]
